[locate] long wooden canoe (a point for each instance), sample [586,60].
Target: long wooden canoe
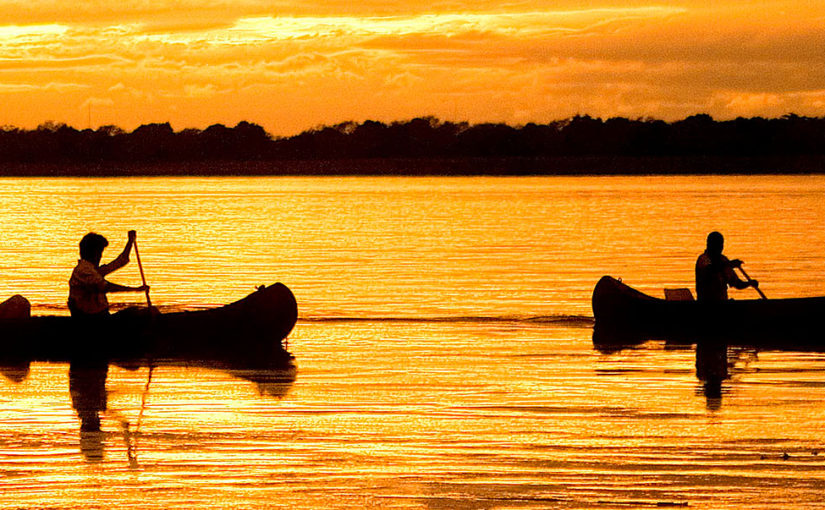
[625,316]
[253,327]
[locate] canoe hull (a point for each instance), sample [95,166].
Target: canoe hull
[251,327]
[626,316]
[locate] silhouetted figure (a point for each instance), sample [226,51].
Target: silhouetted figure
[89,307]
[714,272]
[88,286]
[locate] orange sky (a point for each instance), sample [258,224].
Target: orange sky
[290,65]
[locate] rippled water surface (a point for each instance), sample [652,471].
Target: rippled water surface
[443,351]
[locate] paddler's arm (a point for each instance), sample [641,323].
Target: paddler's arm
[114,287]
[734,280]
[121,259]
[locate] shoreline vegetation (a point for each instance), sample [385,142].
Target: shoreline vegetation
[581,145]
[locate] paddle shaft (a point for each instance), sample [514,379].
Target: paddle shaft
[144,397]
[142,276]
[151,365]
[745,274]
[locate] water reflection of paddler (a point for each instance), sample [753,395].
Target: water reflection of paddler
[712,367]
[87,386]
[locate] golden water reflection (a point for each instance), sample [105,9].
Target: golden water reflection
[444,353]
[499,415]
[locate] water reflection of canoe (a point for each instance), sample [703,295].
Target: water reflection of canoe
[251,327]
[626,316]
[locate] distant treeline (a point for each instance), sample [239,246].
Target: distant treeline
[581,144]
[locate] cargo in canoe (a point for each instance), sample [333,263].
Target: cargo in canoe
[626,316]
[253,327]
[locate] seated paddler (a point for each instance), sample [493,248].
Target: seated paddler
[715,272]
[88,285]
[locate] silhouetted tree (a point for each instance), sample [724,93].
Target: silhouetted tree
[790,137]
[151,142]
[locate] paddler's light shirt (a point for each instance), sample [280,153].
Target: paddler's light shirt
[87,285]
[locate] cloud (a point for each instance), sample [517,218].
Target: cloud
[200,91]
[13,88]
[98,102]
[643,35]
[31,31]
[59,63]
[290,65]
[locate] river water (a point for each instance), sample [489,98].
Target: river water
[443,350]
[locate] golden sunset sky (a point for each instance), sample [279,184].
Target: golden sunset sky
[290,65]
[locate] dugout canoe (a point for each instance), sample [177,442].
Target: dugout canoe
[251,328]
[626,316]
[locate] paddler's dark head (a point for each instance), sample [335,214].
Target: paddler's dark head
[92,246]
[716,243]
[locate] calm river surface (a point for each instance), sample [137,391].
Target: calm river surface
[443,350]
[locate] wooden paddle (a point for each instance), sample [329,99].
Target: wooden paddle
[133,456]
[748,278]
[142,276]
